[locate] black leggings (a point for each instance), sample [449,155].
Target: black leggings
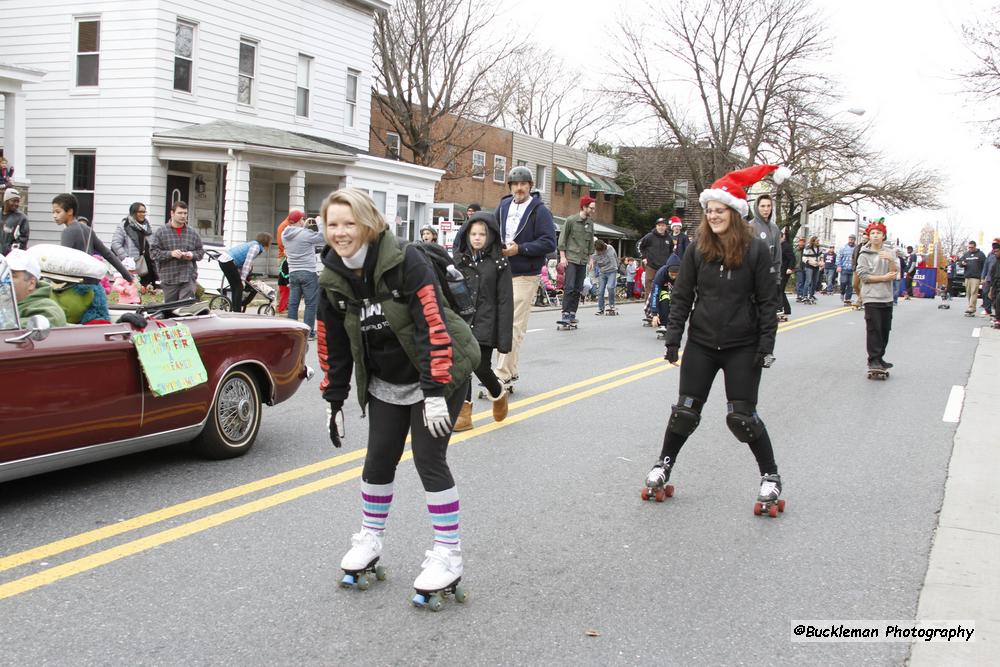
[878,323]
[786,308]
[388,425]
[235,281]
[485,373]
[742,378]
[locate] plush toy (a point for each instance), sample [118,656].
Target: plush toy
[127,292]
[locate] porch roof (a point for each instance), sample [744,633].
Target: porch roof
[242,136]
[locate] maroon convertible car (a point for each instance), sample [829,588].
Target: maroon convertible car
[76,394]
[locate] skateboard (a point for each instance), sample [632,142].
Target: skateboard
[857,306]
[647,323]
[360,578]
[943,306]
[657,494]
[848,303]
[769,508]
[564,326]
[782,317]
[434,600]
[661,334]
[970,314]
[877,374]
[611,311]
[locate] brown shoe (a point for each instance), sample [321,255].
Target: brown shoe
[500,405]
[464,421]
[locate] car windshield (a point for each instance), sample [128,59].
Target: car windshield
[8,304]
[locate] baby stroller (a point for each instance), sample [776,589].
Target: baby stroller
[223,300]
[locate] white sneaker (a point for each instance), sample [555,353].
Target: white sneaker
[441,568]
[366,547]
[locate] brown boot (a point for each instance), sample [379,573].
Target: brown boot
[464,421]
[500,405]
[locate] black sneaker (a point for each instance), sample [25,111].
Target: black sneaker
[885,364]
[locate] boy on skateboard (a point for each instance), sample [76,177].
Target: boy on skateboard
[877,268]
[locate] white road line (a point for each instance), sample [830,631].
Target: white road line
[533,330]
[976,332]
[953,410]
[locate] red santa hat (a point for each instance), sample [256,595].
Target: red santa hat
[676,222]
[731,189]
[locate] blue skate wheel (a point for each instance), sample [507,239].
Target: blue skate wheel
[419,600]
[347,581]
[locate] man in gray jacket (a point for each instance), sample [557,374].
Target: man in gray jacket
[300,251]
[877,268]
[765,228]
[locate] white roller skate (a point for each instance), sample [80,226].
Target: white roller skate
[768,501]
[440,577]
[362,561]
[656,487]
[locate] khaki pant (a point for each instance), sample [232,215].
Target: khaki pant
[972,291]
[525,288]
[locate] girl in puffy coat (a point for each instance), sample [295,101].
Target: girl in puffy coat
[478,256]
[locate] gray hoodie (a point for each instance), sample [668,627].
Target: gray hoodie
[871,264]
[300,247]
[769,233]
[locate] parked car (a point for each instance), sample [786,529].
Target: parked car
[77,394]
[956,284]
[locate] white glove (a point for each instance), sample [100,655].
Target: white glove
[129,263]
[436,417]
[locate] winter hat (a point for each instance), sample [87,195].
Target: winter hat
[11,193]
[878,224]
[295,215]
[731,188]
[673,262]
[586,201]
[676,222]
[21,260]
[659,221]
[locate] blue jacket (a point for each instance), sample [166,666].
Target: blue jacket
[239,252]
[535,236]
[845,258]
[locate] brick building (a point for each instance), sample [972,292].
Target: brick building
[660,178]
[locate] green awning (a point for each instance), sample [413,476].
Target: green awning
[600,185]
[615,190]
[566,176]
[584,179]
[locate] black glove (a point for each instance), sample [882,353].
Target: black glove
[763,359]
[671,354]
[135,319]
[336,416]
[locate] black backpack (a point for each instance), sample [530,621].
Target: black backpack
[449,278]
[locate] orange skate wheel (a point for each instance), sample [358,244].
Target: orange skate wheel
[772,511]
[781,505]
[669,490]
[757,508]
[645,494]
[659,495]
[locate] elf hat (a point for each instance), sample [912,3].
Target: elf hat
[731,188]
[878,224]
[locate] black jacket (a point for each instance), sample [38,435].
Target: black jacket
[787,257]
[489,279]
[728,307]
[655,249]
[973,262]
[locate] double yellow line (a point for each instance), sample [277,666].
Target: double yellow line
[577,391]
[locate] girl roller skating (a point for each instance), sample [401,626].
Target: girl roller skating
[479,256]
[384,316]
[727,287]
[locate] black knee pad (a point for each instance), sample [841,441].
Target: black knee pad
[685,416]
[742,420]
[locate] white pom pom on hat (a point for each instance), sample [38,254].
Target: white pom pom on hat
[731,188]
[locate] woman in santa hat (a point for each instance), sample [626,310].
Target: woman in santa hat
[726,287]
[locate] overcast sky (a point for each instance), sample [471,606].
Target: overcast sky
[896,59]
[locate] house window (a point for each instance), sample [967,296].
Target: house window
[499,168]
[88,47]
[183,56]
[520,163]
[379,198]
[540,179]
[680,194]
[392,145]
[83,176]
[351,97]
[402,217]
[248,68]
[478,164]
[303,86]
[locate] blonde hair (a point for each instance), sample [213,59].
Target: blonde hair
[366,215]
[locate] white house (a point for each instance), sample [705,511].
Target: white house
[242,109]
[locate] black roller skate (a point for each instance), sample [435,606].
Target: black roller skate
[656,487]
[768,501]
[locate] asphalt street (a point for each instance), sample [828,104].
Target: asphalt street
[164,559]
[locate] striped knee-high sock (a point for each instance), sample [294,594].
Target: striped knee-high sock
[375,502]
[443,506]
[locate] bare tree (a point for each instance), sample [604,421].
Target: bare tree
[543,97]
[734,82]
[432,61]
[982,79]
[952,234]
[713,71]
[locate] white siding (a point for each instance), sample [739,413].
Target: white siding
[536,152]
[602,165]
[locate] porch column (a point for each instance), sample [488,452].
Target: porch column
[297,191]
[14,135]
[237,200]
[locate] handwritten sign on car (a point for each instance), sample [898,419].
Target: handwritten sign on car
[169,359]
